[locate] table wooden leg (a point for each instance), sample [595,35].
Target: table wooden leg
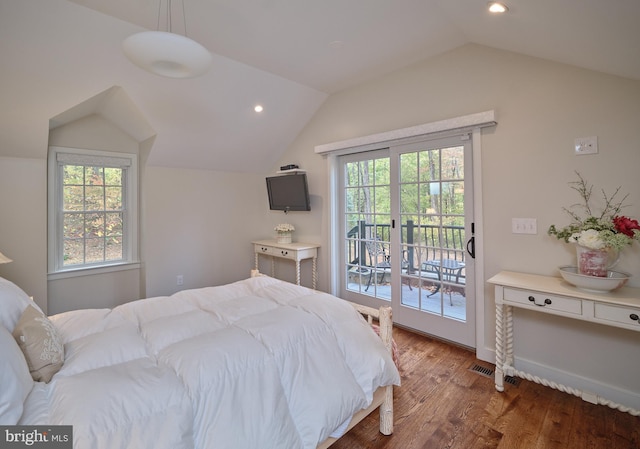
[314,272]
[499,348]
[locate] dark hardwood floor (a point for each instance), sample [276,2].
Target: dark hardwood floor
[443,404]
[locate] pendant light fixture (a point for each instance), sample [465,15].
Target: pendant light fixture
[497,7]
[166,53]
[4,259]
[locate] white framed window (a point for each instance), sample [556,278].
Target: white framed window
[93,211]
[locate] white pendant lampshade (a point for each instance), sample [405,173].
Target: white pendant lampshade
[4,259]
[167,54]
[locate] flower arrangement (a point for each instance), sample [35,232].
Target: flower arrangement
[284,228]
[609,230]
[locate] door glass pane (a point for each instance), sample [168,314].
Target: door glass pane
[432,217]
[368,227]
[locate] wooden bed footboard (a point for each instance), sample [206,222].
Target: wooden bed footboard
[383,396]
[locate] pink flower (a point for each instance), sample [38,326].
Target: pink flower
[625,225]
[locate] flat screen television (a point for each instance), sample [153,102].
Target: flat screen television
[288,192]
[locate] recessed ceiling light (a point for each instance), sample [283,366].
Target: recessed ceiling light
[258,108]
[497,8]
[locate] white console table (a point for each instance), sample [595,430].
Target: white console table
[546,294]
[291,251]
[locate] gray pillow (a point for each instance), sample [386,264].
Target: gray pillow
[41,344]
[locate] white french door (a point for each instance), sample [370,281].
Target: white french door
[406,234]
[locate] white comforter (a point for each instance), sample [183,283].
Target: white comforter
[256,364]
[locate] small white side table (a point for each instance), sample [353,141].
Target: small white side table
[552,295]
[292,251]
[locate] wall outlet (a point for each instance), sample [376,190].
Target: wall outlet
[179,279]
[586,145]
[524,226]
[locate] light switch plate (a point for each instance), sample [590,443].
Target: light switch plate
[586,145]
[524,226]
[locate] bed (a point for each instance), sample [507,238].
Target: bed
[256,363]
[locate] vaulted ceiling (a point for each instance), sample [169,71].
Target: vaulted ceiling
[287,55]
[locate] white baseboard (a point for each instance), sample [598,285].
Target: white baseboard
[486,354]
[591,388]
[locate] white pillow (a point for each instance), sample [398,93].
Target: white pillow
[13,301]
[15,379]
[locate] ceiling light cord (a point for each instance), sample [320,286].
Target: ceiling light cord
[184,18]
[168,20]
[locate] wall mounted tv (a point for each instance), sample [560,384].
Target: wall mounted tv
[288,192]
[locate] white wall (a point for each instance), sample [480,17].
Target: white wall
[104,289]
[23,224]
[199,224]
[527,163]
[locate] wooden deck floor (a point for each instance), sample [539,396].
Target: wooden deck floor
[443,404]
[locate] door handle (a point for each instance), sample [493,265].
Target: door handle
[471,244]
[471,247]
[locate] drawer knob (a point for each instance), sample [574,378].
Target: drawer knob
[634,317]
[284,253]
[546,301]
[264,249]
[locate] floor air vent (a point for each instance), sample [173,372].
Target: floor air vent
[512,380]
[489,372]
[483,370]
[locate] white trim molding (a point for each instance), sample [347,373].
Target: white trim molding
[470,122]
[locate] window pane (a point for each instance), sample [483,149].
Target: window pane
[351,174]
[113,198]
[94,176]
[94,225]
[382,199]
[113,227]
[383,170]
[408,198]
[73,198]
[94,198]
[351,200]
[113,176]
[452,198]
[408,167]
[114,249]
[429,165]
[73,175]
[351,222]
[73,226]
[73,252]
[453,163]
[94,250]
[366,173]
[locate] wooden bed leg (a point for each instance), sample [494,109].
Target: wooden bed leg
[386,412]
[386,334]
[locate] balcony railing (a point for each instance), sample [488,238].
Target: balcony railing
[420,243]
